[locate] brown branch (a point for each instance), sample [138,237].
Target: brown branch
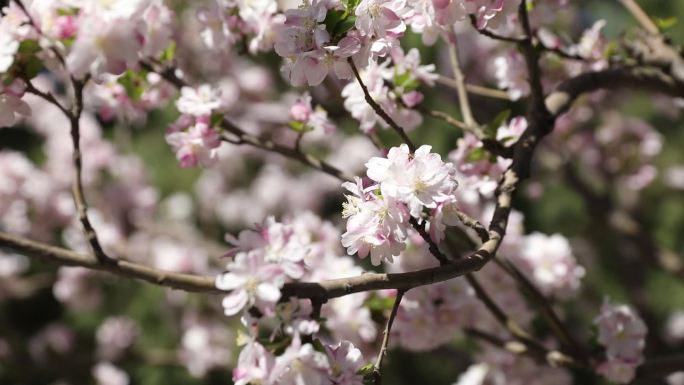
[378,109]
[205,284]
[77,188]
[385,337]
[565,94]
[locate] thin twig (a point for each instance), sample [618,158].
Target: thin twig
[492,35]
[244,138]
[77,189]
[641,16]
[386,336]
[432,246]
[459,77]
[379,111]
[474,89]
[557,326]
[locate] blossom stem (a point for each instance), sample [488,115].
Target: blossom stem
[386,336]
[379,111]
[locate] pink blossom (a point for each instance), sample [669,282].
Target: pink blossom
[551,264]
[8,48]
[196,146]
[11,105]
[105,43]
[419,180]
[617,370]
[623,334]
[345,362]
[106,373]
[300,364]
[157,29]
[255,364]
[115,335]
[200,101]
[205,345]
[381,18]
[251,282]
[375,225]
[511,74]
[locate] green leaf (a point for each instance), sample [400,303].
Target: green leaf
[344,25]
[376,303]
[477,155]
[492,127]
[350,5]
[169,53]
[29,47]
[368,373]
[298,126]
[216,119]
[666,23]
[32,67]
[134,84]
[332,18]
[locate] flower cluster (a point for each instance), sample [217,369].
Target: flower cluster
[393,85]
[263,260]
[550,263]
[192,136]
[404,184]
[622,333]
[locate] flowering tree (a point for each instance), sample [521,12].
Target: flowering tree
[297,177]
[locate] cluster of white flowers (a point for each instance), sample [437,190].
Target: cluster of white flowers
[622,332]
[404,185]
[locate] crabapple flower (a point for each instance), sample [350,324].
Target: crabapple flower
[381,18]
[419,180]
[107,374]
[254,365]
[252,282]
[103,45]
[376,225]
[205,345]
[312,119]
[622,332]
[551,264]
[511,74]
[200,101]
[8,48]
[115,335]
[345,362]
[11,105]
[300,364]
[197,145]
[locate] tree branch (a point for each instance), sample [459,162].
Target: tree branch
[205,284]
